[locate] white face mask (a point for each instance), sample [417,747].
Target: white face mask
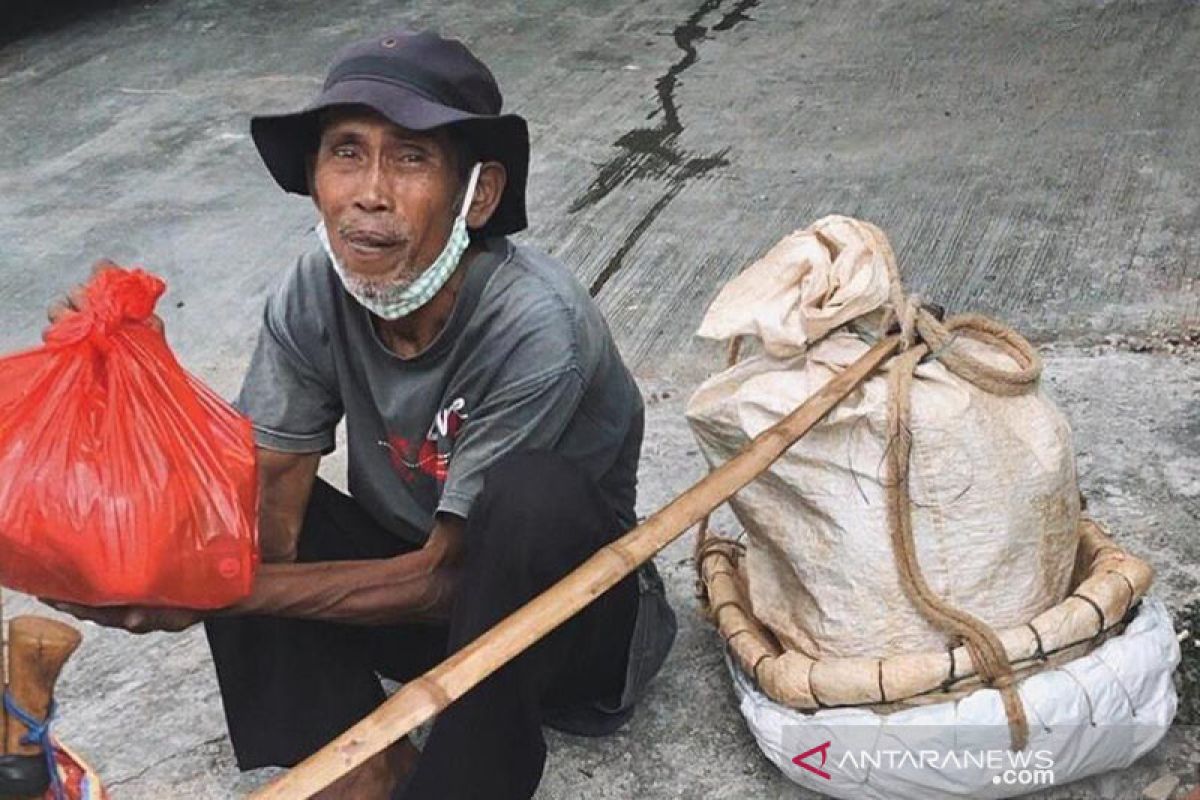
[403,296]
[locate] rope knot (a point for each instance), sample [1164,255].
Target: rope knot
[902,313]
[908,310]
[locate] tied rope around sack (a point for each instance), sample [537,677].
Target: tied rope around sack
[921,334]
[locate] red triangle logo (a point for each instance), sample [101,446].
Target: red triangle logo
[801,760]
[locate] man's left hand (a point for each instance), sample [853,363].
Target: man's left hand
[135,619]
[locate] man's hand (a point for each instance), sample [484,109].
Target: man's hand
[135,619]
[74,300]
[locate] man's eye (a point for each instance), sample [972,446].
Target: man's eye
[344,151]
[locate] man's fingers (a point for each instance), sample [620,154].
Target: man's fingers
[136,621]
[63,306]
[57,309]
[74,301]
[140,619]
[77,297]
[101,616]
[109,616]
[59,605]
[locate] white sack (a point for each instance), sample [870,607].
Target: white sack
[1097,713]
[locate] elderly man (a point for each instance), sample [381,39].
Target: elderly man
[493,435]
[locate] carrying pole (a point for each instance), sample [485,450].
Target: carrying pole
[420,699]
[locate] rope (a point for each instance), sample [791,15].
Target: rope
[921,335]
[38,734]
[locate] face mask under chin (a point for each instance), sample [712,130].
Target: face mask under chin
[401,296]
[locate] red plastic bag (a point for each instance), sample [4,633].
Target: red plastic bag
[123,479]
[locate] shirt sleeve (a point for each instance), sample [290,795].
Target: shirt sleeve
[530,415]
[293,406]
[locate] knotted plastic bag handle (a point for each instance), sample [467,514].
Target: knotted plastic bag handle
[113,298]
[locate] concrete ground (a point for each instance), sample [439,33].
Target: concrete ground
[1033,161]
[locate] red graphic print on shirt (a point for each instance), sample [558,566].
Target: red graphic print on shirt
[431,455]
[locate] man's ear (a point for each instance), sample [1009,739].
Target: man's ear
[488,191]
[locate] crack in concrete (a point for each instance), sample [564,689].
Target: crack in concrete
[614,264]
[654,152]
[141,773]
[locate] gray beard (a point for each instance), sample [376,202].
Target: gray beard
[378,289]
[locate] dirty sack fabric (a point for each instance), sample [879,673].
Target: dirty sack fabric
[991,478]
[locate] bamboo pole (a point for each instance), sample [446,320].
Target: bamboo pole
[421,699]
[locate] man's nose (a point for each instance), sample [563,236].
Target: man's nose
[372,189]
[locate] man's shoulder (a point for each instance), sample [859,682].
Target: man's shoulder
[535,303]
[533,282]
[305,292]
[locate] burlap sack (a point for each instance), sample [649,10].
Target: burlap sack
[992,478]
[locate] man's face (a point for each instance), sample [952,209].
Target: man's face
[387,195]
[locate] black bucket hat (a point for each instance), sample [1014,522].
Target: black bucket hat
[419,81]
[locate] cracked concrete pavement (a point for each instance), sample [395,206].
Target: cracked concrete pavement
[1032,161]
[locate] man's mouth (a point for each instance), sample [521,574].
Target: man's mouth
[370,243]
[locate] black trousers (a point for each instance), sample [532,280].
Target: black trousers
[290,686]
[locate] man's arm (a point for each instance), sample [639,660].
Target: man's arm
[285,482]
[410,587]
[413,587]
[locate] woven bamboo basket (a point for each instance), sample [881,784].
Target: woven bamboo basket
[1105,589]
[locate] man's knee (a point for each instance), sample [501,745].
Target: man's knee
[337,528]
[537,506]
[532,478]
[317,539]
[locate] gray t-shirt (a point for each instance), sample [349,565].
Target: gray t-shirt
[525,361]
